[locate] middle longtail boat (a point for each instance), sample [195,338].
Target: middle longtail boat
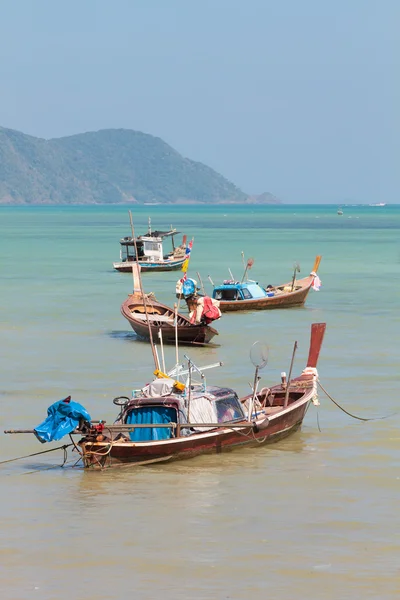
[249,295]
[148,318]
[167,420]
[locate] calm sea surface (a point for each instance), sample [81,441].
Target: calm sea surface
[314,517]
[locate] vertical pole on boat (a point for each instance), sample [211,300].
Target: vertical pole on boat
[249,264]
[155,358]
[243,260]
[172,239]
[201,283]
[252,400]
[290,375]
[176,334]
[190,389]
[162,348]
[296,270]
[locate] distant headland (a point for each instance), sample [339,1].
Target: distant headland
[111,166]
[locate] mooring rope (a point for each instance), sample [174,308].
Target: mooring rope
[37,454]
[349,413]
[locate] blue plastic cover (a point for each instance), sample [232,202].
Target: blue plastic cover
[63,417]
[151,415]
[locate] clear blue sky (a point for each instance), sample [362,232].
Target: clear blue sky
[297,97]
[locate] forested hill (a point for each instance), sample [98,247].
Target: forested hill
[105,167]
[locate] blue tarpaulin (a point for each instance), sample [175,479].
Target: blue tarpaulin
[151,414]
[63,417]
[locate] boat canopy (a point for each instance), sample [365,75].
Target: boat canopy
[157,403]
[239,291]
[154,235]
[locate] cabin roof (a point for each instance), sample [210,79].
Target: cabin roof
[237,285]
[156,236]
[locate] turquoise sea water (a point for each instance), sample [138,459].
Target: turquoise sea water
[313,517]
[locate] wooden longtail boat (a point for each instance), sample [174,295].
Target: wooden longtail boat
[160,317]
[147,251]
[149,318]
[162,423]
[249,295]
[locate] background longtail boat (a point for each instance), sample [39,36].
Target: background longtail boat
[249,295]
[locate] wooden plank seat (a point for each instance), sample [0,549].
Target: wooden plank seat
[153,317]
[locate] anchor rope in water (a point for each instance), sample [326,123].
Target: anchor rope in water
[349,413]
[37,454]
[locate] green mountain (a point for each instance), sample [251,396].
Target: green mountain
[108,166]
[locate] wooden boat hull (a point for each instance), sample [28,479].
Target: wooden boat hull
[162,317]
[104,455]
[282,300]
[171,265]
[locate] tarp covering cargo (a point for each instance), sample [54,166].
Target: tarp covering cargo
[63,417]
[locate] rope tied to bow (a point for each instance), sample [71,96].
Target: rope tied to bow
[37,454]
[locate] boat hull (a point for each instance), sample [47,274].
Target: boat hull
[99,455]
[193,334]
[161,317]
[172,265]
[283,300]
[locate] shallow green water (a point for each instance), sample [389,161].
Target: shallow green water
[314,516]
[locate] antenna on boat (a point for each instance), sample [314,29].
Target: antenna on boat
[210,280]
[160,337]
[201,283]
[172,239]
[176,337]
[296,268]
[230,273]
[250,263]
[259,357]
[290,375]
[155,357]
[149,225]
[243,260]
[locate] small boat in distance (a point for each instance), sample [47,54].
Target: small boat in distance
[171,420]
[340,211]
[249,295]
[151,256]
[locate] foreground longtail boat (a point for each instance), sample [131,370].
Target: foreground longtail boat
[164,422]
[171,420]
[249,295]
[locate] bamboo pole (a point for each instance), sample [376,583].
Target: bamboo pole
[226,425]
[160,337]
[156,364]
